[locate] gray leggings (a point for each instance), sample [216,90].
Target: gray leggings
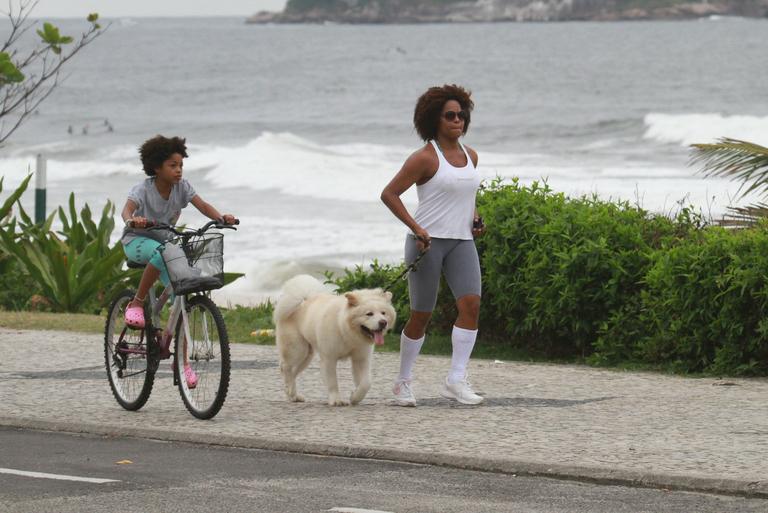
[458,261]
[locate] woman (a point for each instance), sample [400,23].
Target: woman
[443,229]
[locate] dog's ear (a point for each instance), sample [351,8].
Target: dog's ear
[388,295]
[352,299]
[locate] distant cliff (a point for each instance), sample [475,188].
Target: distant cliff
[439,11]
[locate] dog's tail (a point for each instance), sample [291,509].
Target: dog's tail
[295,291]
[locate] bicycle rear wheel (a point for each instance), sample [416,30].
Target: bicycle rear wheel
[207,353]
[127,357]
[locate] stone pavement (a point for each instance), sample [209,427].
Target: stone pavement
[554,420]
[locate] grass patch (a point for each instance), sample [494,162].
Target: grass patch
[241,321]
[85,323]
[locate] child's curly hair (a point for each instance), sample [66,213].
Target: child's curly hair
[429,107]
[157,150]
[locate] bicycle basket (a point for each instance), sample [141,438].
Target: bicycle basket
[196,265]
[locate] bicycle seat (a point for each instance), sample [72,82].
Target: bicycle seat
[135,265]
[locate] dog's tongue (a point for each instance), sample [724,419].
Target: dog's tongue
[378,338]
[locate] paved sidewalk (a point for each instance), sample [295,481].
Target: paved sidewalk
[554,420]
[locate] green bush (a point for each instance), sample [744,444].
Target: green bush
[584,277]
[619,336]
[75,269]
[705,306]
[16,286]
[555,269]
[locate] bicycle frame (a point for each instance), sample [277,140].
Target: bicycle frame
[164,337]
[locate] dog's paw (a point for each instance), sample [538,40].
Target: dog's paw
[358,395]
[337,402]
[296,398]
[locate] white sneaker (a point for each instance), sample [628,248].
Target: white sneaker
[403,394]
[461,391]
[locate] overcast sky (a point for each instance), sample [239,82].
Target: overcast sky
[123,8]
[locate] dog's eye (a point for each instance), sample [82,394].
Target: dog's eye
[369,314]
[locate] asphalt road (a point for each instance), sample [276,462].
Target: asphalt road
[151,476]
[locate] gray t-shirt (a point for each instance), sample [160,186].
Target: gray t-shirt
[156,208]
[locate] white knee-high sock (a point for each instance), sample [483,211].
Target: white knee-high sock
[409,350]
[463,342]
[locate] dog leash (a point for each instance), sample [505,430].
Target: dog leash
[413,266]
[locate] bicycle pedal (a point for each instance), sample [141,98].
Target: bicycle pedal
[163,345]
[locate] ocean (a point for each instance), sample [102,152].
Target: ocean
[297,128]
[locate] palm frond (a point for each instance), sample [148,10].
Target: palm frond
[739,160]
[744,217]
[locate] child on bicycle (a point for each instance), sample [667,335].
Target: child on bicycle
[158,199]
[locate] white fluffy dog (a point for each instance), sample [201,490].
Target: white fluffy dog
[309,320]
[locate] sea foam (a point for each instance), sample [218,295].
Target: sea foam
[687,129]
[293,165]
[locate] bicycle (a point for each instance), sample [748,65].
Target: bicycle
[194,260]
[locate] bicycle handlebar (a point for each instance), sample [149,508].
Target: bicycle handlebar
[210,224]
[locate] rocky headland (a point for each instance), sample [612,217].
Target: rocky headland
[444,11]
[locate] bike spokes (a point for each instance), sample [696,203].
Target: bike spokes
[206,352]
[130,367]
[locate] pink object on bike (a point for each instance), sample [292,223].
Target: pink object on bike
[134,316]
[190,377]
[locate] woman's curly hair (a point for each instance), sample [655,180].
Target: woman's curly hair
[157,150]
[429,107]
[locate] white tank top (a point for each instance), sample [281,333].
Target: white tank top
[447,201]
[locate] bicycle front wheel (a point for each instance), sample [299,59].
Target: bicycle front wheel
[127,357]
[207,354]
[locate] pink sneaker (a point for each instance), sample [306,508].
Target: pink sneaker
[190,377]
[134,316]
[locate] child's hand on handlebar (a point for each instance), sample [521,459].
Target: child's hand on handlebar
[138,222]
[229,219]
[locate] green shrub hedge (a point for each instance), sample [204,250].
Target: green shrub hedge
[555,268]
[705,304]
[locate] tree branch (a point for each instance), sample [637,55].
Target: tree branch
[20,99]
